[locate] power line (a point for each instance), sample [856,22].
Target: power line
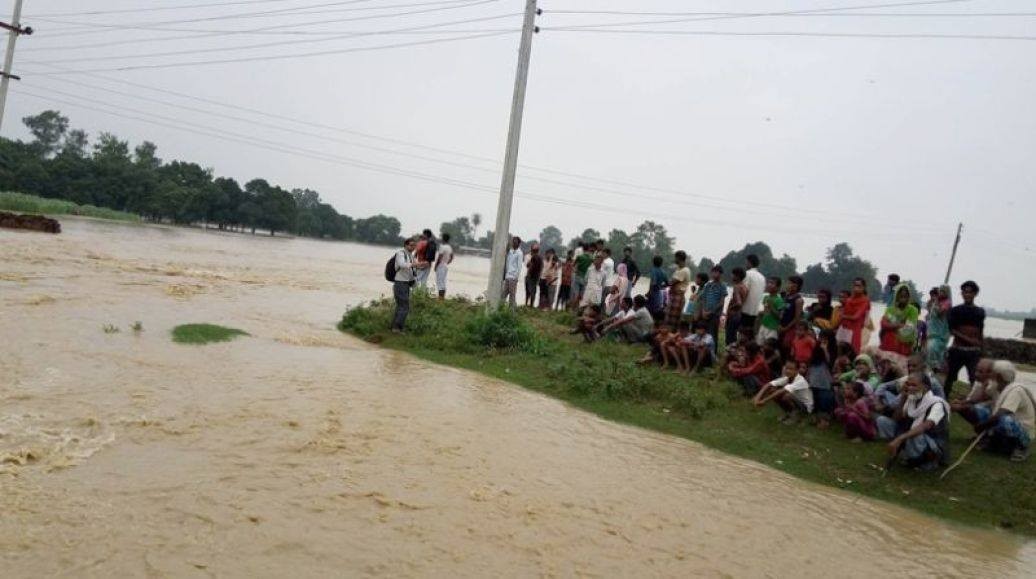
[377,166]
[798,34]
[387,169]
[277,29]
[339,36]
[158,8]
[801,14]
[284,56]
[768,14]
[827,214]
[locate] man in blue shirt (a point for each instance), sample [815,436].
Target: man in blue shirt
[713,296]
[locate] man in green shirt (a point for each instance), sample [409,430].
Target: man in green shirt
[773,305]
[583,262]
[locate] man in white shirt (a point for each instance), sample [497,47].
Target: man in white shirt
[1011,425]
[512,271]
[442,265]
[756,283]
[791,392]
[595,283]
[608,267]
[919,430]
[405,275]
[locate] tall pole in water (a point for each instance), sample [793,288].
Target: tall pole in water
[501,235]
[12,36]
[953,255]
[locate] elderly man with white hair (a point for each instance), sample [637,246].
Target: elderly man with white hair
[1011,425]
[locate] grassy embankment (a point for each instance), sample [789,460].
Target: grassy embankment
[205,333]
[22,203]
[534,350]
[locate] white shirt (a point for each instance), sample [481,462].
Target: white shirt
[404,266]
[608,267]
[513,268]
[595,280]
[445,254]
[1014,399]
[798,388]
[756,286]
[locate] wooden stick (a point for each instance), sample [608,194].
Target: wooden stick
[963,456]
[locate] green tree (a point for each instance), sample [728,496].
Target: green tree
[380,229]
[551,238]
[460,230]
[587,236]
[47,128]
[476,222]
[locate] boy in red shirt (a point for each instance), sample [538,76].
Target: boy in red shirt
[802,343]
[752,371]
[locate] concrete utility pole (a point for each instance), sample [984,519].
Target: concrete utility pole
[501,235]
[953,255]
[13,31]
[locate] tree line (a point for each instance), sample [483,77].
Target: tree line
[62,162]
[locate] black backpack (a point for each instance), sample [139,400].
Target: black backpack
[390,269]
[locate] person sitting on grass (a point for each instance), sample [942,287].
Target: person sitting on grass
[855,413]
[636,326]
[658,340]
[863,370]
[699,350]
[791,392]
[751,371]
[803,343]
[918,431]
[587,322]
[818,374]
[976,407]
[625,307]
[773,306]
[772,353]
[671,352]
[887,393]
[1011,424]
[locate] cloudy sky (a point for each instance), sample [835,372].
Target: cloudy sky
[727,126]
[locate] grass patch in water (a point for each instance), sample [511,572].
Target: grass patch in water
[533,349]
[205,333]
[22,203]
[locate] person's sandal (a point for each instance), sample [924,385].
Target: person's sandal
[1020,455]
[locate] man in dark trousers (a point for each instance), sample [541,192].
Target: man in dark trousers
[406,275]
[967,324]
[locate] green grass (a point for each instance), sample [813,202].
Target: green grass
[533,349]
[204,333]
[23,203]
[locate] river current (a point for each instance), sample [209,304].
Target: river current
[301,451]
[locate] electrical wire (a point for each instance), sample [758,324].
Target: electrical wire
[158,8]
[277,29]
[339,36]
[683,195]
[284,56]
[802,15]
[799,34]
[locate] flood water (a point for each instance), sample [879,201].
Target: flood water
[303,452]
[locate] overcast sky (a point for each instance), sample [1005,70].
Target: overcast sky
[800,141]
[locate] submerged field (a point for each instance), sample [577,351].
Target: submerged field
[22,203]
[533,349]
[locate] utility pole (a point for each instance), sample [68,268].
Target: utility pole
[953,255]
[14,30]
[501,235]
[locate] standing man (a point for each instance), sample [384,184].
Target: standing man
[583,262]
[967,323]
[533,271]
[737,302]
[756,284]
[888,293]
[632,271]
[512,270]
[713,294]
[405,275]
[425,254]
[442,265]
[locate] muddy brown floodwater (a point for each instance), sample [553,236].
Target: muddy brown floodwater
[303,452]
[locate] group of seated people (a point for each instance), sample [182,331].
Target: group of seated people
[813,361]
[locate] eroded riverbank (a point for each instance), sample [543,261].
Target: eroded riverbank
[300,450]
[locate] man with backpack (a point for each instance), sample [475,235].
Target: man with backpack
[401,270]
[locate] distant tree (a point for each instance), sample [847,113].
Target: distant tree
[587,236]
[551,238]
[48,128]
[75,144]
[378,229]
[705,265]
[476,222]
[617,241]
[145,155]
[460,230]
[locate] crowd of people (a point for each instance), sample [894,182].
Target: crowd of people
[811,360]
